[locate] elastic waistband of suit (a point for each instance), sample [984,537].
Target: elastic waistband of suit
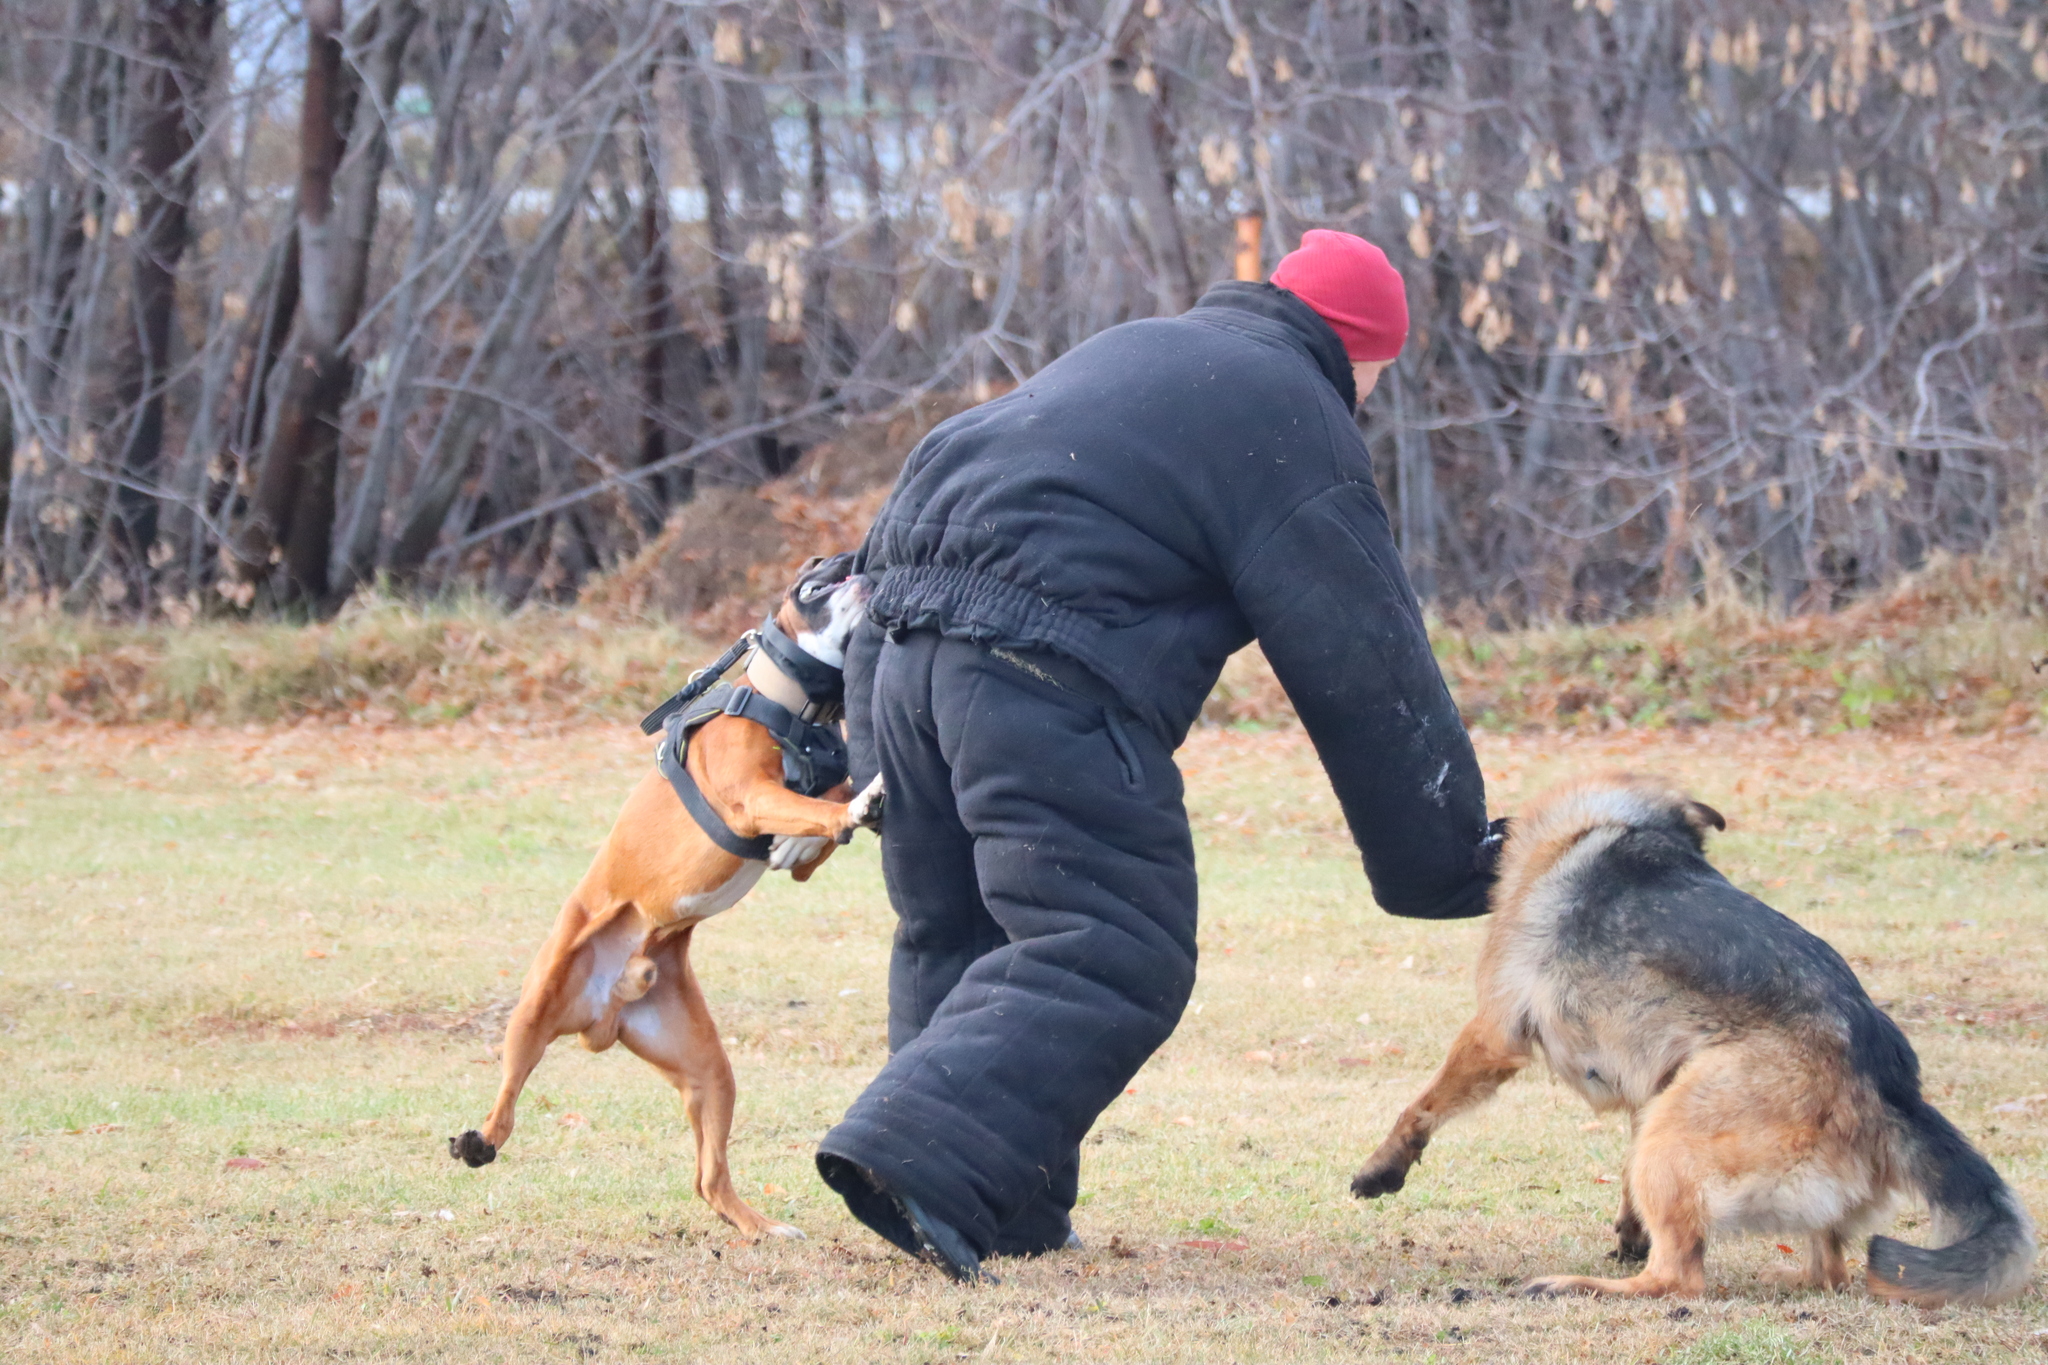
[976,606]
[963,604]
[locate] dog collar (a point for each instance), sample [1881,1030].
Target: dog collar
[793,676]
[822,684]
[778,668]
[765,677]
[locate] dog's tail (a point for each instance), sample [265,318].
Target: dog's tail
[1989,1249]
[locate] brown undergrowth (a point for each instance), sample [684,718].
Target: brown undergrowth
[1960,646]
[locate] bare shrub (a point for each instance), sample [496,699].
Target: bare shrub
[1715,296]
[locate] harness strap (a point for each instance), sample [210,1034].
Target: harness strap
[813,757]
[673,760]
[702,681]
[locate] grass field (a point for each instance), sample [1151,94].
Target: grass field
[252,981]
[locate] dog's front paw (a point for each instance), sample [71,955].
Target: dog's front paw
[1374,1181]
[865,810]
[471,1149]
[791,851]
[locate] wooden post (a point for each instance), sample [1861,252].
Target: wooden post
[1251,233]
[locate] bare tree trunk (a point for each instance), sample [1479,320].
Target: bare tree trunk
[61,202]
[829,351]
[1415,482]
[67,204]
[494,365]
[269,328]
[1173,279]
[326,110]
[880,237]
[355,550]
[662,381]
[700,100]
[292,520]
[6,460]
[749,133]
[177,46]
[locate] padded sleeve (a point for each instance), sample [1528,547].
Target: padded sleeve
[1339,622]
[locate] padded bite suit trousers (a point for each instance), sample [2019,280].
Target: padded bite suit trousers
[1037,854]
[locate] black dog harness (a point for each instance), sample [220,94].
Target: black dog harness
[813,754]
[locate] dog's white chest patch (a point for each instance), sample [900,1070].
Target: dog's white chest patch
[704,904]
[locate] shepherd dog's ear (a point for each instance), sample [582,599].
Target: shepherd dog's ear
[1486,857]
[809,564]
[1699,815]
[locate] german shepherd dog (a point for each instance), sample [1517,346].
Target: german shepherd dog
[1765,1092]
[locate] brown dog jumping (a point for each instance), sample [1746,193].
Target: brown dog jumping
[617,966]
[1765,1092]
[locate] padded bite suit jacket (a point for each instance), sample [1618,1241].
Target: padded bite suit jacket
[1060,575]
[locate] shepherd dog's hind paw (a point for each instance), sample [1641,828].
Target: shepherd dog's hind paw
[1630,1250]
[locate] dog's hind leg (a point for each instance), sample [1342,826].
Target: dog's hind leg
[527,1035]
[670,1027]
[1826,1268]
[1664,1171]
[1633,1243]
[534,1024]
[553,1001]
[1481,1058]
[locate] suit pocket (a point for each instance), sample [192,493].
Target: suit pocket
[1126,752]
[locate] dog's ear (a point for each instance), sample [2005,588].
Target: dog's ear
[810,583]
[826,569]
[1486,857]
[1699,815]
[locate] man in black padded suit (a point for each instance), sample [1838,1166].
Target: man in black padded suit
[1060,575]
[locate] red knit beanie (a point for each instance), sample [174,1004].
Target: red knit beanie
[1348,281]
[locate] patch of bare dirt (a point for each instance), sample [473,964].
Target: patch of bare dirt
[488,1020]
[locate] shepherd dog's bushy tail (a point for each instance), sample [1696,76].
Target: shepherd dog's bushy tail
[1990,1239]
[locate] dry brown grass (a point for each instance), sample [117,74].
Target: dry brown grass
[286,947]
[1962,647]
